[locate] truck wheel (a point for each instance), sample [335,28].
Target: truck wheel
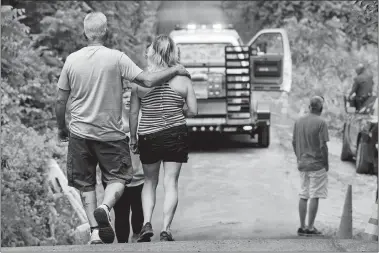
[375,170]
[361,163]
[345,152]
[264,136]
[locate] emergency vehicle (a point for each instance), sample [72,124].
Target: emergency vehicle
[229,76]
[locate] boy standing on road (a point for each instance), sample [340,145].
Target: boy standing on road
[310,137]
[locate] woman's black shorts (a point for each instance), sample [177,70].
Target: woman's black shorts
[169,145]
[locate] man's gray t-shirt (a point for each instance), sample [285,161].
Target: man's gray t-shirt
[310,132]
[94,75]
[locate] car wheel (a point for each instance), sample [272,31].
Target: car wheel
[264,136]
[361,164]
[345,152]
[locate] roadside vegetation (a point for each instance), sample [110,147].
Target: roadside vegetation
[328,39]
[36,39]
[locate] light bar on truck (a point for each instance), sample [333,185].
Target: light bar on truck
[216,26]
[191,26]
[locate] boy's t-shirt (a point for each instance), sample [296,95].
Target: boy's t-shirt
[309,134]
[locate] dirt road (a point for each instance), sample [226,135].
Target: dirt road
[229,190]
[237,192]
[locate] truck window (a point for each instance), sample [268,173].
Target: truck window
[269,43]
[202,53]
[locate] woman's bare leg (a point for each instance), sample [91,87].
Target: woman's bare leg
[151,172]
[171,176]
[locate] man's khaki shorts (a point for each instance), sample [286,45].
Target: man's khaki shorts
[314,184]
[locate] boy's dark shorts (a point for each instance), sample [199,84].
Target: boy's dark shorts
[84,155]
[169,145]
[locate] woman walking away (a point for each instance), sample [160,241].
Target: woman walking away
[162,133]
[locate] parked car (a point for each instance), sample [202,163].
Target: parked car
[360,136]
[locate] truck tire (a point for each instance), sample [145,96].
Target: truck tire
[375,170]
[361,163]
[345,152]
[264,136]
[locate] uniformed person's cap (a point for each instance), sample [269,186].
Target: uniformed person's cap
[316,102]
[359,67]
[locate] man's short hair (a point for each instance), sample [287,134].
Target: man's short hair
[316,102]
[95,25]
[360,67]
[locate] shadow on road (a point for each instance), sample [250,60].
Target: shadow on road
[221,143]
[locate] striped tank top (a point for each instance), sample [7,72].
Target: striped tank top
[162,108]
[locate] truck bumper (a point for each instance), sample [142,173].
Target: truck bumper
[225,129]
[219,125]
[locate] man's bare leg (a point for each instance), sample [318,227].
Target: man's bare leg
[112,193]
[89,204]
[303,212]
[313,207]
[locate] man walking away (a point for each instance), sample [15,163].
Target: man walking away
[362,87]
[310,137]
[93,76]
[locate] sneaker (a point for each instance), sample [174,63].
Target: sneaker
[166,237]
[103,218]
[313,232]
[301,232]
[146,233]
[95,239]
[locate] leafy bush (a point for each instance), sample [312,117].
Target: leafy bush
[27,93]
[323,65]
[34,46]
[31,214]
[328,39]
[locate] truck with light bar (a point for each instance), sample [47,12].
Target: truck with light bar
[229,77]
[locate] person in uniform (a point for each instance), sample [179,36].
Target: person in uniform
[362,86]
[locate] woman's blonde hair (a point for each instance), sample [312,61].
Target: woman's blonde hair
[162,53]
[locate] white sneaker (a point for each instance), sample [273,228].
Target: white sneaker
[103,219]
[95,239]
